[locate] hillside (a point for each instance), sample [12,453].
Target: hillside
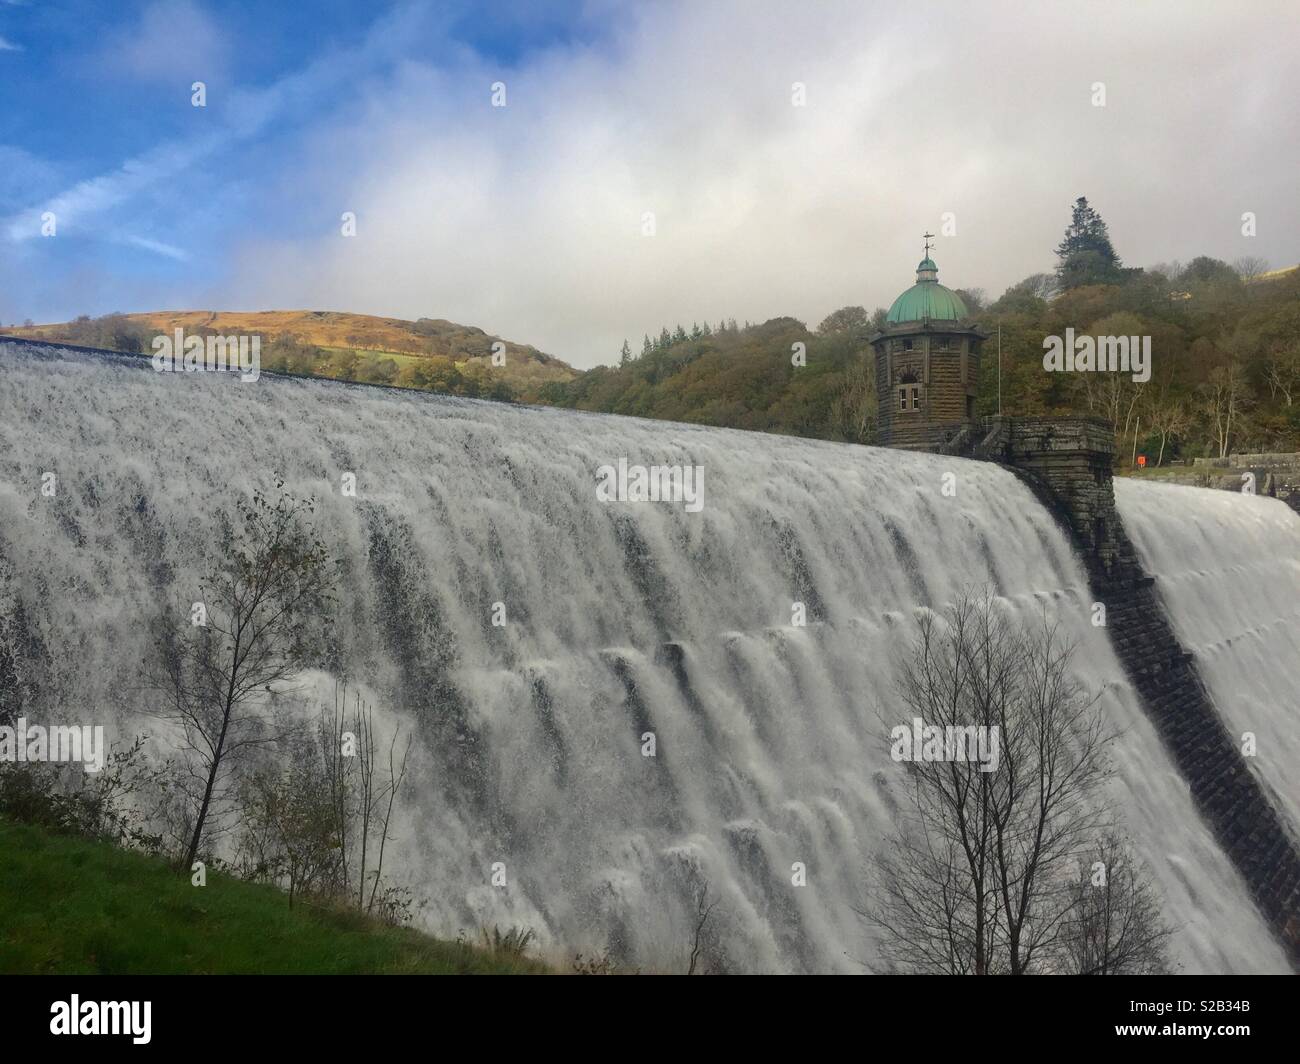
[1225,372]
[428,353]
[73,906]
[745,378]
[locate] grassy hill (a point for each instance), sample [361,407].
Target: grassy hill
[72,906]
[430,353]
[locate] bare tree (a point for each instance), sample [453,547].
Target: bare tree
[1170,271]
[1249,267]
[332,734]
[361,793]
[1282,371]
[317,810]
[703,910]
[1223,398]
[1114,926]
[853,410]
[1169,420]
[219,667]
[979,879]
[1115,396]
[376,797]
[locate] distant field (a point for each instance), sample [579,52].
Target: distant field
[380,352]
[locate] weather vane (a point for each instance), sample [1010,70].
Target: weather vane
[927,244]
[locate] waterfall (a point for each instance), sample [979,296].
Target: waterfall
[1228,567]
[622,619]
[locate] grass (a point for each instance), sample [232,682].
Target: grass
[74,906]
[400,357]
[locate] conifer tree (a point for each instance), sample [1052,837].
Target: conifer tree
[1085,255]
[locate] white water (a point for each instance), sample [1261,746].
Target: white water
[770,748]
[1228,567]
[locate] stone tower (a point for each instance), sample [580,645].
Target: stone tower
[927,365]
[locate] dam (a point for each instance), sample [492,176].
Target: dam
[628,618]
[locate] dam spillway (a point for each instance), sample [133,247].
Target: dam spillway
[623,619]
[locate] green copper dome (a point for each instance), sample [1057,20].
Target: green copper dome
[927,299]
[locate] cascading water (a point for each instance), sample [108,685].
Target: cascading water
[622,619]
[1228,567]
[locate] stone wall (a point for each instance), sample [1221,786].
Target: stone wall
[1277,474]
[1068,464]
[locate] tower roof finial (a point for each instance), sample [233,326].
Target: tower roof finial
[927,271]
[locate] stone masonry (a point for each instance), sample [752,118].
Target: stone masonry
[1067,463]
[1276,474]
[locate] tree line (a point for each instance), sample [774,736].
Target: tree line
[1225,346]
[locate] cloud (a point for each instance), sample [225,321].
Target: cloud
[157,247]
[248,115]
[7,45]
[173,41]
[527,219]
[23,175]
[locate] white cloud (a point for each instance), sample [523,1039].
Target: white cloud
[157,247]
[525,220]
[81,206]
[173,41]
[7,45]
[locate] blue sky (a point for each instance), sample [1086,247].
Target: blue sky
[528,220]
[97,121]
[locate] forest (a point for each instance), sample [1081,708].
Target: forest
[1225,342]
